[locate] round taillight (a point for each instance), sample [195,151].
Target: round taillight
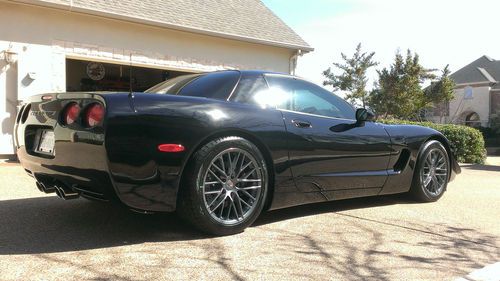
[94,114]
[71,113]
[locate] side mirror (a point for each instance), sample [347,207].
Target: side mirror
[363,114]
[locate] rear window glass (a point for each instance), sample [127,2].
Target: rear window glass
[172,86]
[216,85]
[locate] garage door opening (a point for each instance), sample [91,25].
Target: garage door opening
[96,76]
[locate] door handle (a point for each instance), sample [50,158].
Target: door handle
[301,124]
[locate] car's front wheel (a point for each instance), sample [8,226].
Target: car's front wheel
[432,173]
[224,186]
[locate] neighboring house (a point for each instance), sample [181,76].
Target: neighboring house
[477,94]
[84,45]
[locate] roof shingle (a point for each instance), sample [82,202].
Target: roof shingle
[247,20]
[483,69]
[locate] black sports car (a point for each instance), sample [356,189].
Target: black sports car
[220,147]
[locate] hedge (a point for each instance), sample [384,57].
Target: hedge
[468,142]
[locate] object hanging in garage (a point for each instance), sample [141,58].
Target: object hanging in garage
[96,71]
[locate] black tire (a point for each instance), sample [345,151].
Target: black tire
[192,202]
[419,191]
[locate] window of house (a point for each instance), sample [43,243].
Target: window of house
[468,93]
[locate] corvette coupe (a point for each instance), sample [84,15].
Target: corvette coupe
[219,148]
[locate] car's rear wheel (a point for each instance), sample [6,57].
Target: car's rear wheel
[224,187]
[432,173]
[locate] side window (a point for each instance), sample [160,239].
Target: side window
[216,85]
[307,102]
[248,88]
[306,97]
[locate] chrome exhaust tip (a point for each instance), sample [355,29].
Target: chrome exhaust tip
[65,192]
[48,184]
[39,186]
[44,188]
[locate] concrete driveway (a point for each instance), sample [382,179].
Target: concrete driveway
[383,238]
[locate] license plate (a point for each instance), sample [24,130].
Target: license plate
[46,142]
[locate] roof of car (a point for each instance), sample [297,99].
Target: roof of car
[261,72]
[252,72]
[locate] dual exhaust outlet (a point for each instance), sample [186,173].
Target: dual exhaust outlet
[61,190]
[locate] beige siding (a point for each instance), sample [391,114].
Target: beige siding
[480,103]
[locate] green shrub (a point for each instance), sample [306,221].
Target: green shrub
[468,142]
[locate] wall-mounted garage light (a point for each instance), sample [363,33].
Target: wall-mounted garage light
[8,56]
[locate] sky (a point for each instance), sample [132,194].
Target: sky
[441,31]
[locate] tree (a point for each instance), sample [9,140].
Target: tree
[352,78]
[399,88]
[441,92]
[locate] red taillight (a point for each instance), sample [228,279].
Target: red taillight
[71,113]
[171,147]
[94,114]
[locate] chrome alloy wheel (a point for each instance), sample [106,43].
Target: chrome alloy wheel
[434,173]
[231,186]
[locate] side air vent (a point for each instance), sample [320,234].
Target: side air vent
[404,156]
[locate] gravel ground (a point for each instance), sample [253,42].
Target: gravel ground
[380,238]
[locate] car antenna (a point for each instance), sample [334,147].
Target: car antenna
[130,75]
[131,93]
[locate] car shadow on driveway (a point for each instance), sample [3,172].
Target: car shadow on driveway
[333,206]
[49,224]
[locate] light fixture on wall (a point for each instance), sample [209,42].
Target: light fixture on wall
[8,56]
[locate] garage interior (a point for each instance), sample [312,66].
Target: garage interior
[84,75]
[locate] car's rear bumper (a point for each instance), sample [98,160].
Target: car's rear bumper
[82,169]
[78,167]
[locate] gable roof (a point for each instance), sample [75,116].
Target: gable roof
[244,20]
[482,70]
